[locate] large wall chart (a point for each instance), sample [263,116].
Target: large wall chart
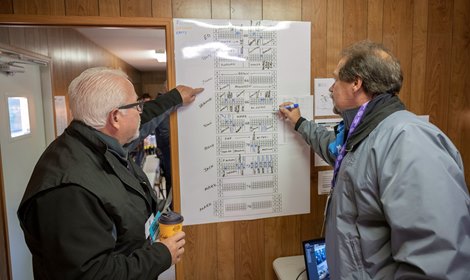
[238,159]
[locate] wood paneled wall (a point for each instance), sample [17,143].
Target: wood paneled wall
[430,37]
[71,53]
[153,82]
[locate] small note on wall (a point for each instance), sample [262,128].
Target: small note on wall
[324,181]
[323,102]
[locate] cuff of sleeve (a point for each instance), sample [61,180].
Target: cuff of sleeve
[165,253]
[299,122]
[176,94]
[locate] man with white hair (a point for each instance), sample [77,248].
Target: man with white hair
[88,208]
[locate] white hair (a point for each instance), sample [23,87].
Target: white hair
[95,93]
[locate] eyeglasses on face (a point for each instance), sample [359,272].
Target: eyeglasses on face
[138,105]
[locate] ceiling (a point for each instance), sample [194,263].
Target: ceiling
[136,46]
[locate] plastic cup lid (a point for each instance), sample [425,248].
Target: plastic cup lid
[170,217]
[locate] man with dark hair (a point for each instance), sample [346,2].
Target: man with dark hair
[399,205]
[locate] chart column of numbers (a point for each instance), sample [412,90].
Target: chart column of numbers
[246,123]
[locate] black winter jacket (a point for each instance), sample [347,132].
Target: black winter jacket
[84,211]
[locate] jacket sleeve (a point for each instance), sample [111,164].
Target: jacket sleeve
[155,111]
[160,105]
[426,203]
[318,138]
[76,237]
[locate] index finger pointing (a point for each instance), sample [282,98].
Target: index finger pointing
[198,90]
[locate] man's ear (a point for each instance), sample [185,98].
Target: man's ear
[113,118]
[357,84]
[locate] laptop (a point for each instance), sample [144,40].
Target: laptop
[315,259]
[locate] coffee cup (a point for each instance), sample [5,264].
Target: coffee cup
[170,223]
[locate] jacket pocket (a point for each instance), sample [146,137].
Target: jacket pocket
[355,252]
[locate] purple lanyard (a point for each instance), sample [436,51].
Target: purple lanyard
[342,152]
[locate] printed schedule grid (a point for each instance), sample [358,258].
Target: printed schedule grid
[246,95]
[235,153]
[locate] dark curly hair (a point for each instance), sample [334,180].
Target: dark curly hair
[375,65]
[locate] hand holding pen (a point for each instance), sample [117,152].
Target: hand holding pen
[290,111]
[292,106]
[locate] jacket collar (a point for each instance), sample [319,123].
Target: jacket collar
[122,167]
[114,147]
[377,110]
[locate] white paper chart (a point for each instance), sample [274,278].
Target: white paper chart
[232,164]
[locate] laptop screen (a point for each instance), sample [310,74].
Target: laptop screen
[315,259]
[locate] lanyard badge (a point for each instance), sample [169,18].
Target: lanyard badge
[151,228]
[340,157]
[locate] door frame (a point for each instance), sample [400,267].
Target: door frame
[45,72]
[5,262]
[95,21]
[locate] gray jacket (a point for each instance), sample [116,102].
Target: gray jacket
[400,208]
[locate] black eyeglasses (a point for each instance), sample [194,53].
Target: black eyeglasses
[138,105]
